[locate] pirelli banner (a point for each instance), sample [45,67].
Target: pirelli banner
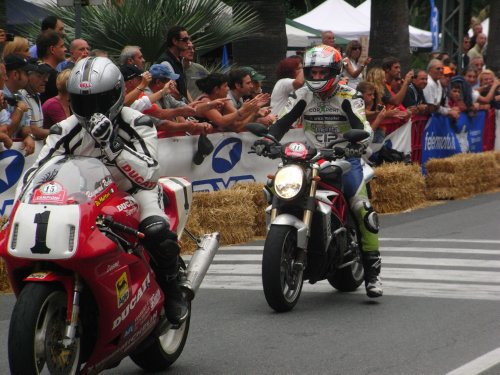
[227,164]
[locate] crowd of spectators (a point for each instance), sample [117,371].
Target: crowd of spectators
[183,97]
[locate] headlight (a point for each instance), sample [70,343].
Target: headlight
[288,182]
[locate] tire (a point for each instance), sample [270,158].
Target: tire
[164,350]
[348,279]
[282,285]
[36,329]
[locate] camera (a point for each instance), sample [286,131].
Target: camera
[9,37]
[380,107]
[12,100]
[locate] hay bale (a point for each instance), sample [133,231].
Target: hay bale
[256,194]
[461,175]
[229,212]
[397,187]
[4,280]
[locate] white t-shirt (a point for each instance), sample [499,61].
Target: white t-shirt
[279,97]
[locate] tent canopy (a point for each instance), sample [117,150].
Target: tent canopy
[300,36]
[352,23]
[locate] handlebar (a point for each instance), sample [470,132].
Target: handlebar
[108,221]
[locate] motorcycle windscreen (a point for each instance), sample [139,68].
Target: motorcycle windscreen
[67,180]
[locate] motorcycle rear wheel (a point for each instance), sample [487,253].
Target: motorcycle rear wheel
[349,278]
[36,330]
[281,282]
[164,350]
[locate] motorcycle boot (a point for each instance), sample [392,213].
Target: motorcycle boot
[372,264]
[161,243]
[176,305]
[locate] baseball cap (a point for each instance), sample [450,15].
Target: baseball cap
[162,71]
[13,62]
[254,75]
[447,70]
[40,66]
[130,71]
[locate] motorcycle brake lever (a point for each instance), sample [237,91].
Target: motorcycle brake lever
[120,227]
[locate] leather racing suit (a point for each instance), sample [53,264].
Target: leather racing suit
[323,120]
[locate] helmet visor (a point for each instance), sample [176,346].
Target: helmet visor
[86,105]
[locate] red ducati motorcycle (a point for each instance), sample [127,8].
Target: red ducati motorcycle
[86,293]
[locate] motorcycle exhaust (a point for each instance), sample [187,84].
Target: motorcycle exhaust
[199,263]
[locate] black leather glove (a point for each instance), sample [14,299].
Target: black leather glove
[354,150]
[262,147]
[101,129]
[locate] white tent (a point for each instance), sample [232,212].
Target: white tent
[352,23]
[336,15]
[299,37]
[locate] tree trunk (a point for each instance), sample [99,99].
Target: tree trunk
[389,35]
[263,49]
[493,50]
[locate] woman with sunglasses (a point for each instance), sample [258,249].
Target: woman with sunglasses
[353,69]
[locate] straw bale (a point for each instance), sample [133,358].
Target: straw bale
[397,187]
[4,281]
[461,175]
[497,156]
[255,192]
[229,212]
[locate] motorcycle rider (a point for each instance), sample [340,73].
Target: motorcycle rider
[126,142]
[329,109]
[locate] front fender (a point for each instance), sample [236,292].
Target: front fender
[302,231]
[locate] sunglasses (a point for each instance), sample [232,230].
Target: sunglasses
[356,48]
[185,40]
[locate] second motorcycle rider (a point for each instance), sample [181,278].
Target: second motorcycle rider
[329,109]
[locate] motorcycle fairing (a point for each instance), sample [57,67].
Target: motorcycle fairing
[34,236]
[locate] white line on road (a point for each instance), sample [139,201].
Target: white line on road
[438,240]
[479,364]
[450,250]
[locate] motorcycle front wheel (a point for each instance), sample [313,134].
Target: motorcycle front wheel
[282,282]
[36,331]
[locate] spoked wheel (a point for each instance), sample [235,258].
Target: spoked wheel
[36,333]
[349,278]
[281,279]
[165,349]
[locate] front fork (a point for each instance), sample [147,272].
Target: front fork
[73,313]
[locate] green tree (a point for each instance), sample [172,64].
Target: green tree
[111,26]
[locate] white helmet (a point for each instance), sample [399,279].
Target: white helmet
[322,56]
[96,85]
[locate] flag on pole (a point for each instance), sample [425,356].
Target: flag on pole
[434,26]
[225,57]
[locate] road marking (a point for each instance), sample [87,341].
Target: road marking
[417,275]
[439,240]
[479,364]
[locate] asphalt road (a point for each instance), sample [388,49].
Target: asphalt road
[439,314]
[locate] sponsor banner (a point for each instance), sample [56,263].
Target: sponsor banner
[475,130]
[228,164]
[439,140]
